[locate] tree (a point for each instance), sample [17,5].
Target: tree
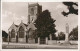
[61,36]
[45,24]
[74,34]
[4,34]
[70,6]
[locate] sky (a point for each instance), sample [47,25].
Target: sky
[17,11]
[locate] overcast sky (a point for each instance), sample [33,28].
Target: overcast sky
[17,11]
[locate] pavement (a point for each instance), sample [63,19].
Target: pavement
[37,46]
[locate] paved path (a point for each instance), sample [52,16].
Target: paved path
[37,46]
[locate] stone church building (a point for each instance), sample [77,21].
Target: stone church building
[23,32]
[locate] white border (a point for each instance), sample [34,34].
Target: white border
[0,26]
[78,26]
[41,49]
[37,0]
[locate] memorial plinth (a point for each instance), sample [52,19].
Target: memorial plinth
[67,35]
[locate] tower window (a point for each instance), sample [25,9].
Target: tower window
[32,11]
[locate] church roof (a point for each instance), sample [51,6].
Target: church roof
[32,26]
[16,25]
[12,26]
[25,24]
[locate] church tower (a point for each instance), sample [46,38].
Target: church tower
[33,11]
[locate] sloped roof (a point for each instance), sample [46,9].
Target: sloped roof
[16,25]
[12,26]
[25,24]
[31,26]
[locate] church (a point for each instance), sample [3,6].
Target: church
[22,33]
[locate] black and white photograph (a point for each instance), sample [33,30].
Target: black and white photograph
[39,25]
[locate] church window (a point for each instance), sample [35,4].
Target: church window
[21,32]
[13,33]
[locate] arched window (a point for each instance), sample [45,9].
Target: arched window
[32,11]
[13,33]
[21,32]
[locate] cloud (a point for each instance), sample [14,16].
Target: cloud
[17,11]
[75,7]
[8,18]
[62,7]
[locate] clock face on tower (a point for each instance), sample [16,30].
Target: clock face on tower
[32,11]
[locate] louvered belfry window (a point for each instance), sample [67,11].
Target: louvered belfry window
[21,32]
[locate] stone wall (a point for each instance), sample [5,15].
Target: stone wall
[31,41]
[61,41]
[21,40]
[52,42]
[13,39]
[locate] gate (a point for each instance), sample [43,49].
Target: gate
[36,40]
[42,40]
[26,39]
[16,39]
